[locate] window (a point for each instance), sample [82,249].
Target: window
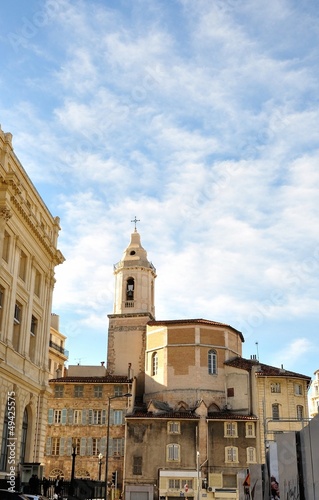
[77,417]
[17,326]
[250,429]
[251,455]
[154,363]
[230,429]
[230,392]
[299,412]
[275,387]
[130,289]
[96,417]
[173,453]
[118,417]
[76,442]
[37,284]
[59,391]
[174,484]
[137,466]
[275,411]
[24,436]
[173,427]
[212,362]
[78,391]
[57,416]
[118,447]
[298,389]
[23,266]
[33,331]
[98,391]
[55,446]
[231,454]
[189,483]
[17,313]
[118,390]
[34,324]
[95,446]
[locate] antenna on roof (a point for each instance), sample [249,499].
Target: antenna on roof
[257,350]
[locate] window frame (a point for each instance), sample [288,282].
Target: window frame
[212,362]
[275,411]
[154,362]
[78,391]
[173,452]
[173,427]
[230,429]
[252,426]
[300,412]
[59,391]
[251,455]
[275,387]
[233,451]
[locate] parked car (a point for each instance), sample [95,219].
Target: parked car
[12,495]
[34,497]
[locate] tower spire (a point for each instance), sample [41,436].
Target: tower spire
[135,220]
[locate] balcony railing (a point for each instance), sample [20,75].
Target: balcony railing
[59,348]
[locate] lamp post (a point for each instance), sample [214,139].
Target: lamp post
[100,465]
[71,490]
[108,437]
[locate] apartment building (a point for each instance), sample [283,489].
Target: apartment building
[29,255]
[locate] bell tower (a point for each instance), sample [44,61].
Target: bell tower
[133,309]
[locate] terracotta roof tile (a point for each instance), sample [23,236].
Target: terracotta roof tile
[197,321]
[109,379]
[228,415]
[265,370]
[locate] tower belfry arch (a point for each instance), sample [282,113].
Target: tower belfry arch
[133,308]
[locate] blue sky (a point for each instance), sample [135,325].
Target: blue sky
[200,118]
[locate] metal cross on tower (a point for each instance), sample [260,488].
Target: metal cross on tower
[135,221]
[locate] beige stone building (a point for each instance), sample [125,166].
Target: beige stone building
[314,396]
[77,421]
[29,254]
[58,355]
[279,397]
[202,414]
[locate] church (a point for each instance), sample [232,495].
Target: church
[192,417]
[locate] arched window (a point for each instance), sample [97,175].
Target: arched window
[212,362]
[275,411]
[299,412]
[154,363]
[130,289]
[24,436]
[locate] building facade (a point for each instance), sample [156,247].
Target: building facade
[202,415]
[77,422]
[29,254]
[58,355]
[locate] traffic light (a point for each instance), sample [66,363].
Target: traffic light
[114,478]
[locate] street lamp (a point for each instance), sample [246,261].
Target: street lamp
[100,465]
[71,491]
[108,436]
